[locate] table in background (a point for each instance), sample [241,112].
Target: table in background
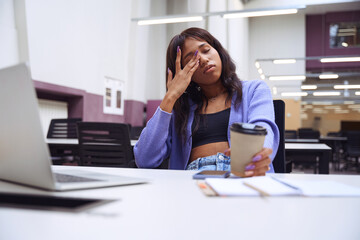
[171,206]
[321,150]
[301,140]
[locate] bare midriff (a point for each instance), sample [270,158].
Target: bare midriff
[208,150]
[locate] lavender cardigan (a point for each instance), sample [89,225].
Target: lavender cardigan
[159,139]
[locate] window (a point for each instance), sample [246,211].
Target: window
[345,34]
[114,96]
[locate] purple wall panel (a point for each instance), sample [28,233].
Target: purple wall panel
[134,112]
[314,35]
[89,106]
[318,40]
[151,107]
[93,110]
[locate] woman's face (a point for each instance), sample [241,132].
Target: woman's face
[210,66]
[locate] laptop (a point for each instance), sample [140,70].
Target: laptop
[24,154]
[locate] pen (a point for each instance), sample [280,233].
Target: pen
[286,184]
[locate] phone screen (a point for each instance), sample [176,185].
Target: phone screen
[211,174]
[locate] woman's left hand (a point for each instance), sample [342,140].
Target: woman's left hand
[260,163]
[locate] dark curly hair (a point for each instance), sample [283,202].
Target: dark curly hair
[228,77]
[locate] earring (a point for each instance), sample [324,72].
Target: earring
[198,88]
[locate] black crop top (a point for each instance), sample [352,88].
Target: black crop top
[213,128]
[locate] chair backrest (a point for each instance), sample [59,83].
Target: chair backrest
[290,134]
[279,160]
[135,132]
[63,128]
[353,143]
[104,144]
[308,134]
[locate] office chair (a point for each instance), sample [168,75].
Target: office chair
[279,160]
[352,150]
[135,132]
[308,133]
[290,134]
[105,144]
[63,128]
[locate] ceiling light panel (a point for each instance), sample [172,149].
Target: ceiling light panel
[326,93]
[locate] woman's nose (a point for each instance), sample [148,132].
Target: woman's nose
[203,60]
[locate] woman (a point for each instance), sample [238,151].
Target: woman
[204,97]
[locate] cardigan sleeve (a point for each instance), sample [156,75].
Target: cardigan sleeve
[261,112]
[154,142]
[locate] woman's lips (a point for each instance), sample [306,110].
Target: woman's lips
[209,68]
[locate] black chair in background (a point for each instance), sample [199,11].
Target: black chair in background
[334,134]
[63,128]
[290,134]
[135,132]
[306,133]
[279,160]
[105,144]
[352,150]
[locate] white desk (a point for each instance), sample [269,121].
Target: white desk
[310,146]
[321,150]
[171,206]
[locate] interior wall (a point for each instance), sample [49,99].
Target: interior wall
[77,43]
[8,32]
[327,122]
[292,114]
[286,36]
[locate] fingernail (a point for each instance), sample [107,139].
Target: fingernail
[178,48]
[196,52]
[249,173]
[250,167]
[256,158]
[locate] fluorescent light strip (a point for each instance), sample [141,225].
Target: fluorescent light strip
[341,111]
[170,20]
[260,13]
[308,87]
[284,61]
[279,78]
[326,93]
[344,44]
[262,76]
[354,106]
[322,103]
[257,64]
[347,87]
[357,93]
[349,102]
[333,107]
[328,76]
[294,94]
[347,30]
[343,59]
[260,71]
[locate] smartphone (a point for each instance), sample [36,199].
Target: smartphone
[211,174]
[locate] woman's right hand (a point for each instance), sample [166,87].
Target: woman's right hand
[177,86]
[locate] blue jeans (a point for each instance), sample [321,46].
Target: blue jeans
[219,162]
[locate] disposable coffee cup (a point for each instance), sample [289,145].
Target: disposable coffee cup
[246,140]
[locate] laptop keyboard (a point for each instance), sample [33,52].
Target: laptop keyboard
[64,178]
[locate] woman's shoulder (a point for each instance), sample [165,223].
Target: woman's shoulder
[253,84]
